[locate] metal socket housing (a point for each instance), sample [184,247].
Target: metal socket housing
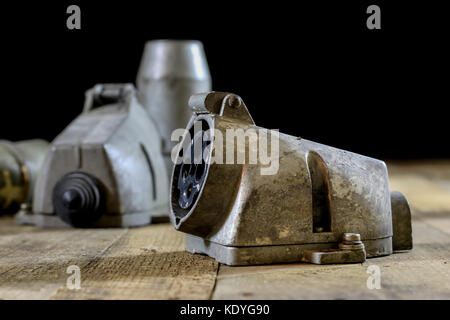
[242,217]
[107,163]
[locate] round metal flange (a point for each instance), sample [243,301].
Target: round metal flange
[189,176]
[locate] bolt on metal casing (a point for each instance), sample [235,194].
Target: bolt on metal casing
[351,250]
[105,169]
[240,217]
[19,166]
[170,72]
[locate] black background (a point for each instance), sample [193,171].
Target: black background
[170,309]
[310,69]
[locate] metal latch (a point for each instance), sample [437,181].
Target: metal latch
[351,250]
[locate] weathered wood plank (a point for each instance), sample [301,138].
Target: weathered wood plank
[33,262]
[8,227]
[147,263]
[140,263]
[426,185]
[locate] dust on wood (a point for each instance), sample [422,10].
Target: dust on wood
[141,263]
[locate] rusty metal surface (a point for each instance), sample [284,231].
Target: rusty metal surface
[334,256]
[116,143]
[240,208]
[19,166]
[351,250]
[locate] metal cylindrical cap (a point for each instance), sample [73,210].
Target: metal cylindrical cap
[174,59]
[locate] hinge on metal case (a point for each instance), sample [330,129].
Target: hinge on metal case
[103,94]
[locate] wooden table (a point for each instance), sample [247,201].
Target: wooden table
[150,263]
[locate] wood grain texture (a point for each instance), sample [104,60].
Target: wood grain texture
[150,262]
[33,262]
[147,263]
[141,263]
[425,184]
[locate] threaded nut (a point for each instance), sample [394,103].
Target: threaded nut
[351,241]
[350,237]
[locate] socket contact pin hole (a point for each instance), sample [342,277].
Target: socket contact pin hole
[190,174]
[199,171]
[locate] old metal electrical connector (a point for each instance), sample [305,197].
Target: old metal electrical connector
[19,166]
[106,168]
[322,205]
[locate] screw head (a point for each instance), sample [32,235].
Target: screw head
[234,101]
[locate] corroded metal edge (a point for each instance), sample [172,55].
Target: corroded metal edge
[240,256]
[334,256]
